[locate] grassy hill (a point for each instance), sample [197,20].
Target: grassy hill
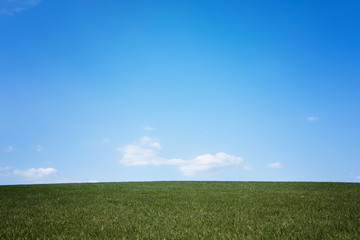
[181,210]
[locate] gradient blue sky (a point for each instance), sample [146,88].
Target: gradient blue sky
[139,90]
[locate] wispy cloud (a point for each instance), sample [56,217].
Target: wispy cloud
[5,168]
[8,149]
[275,165]
[5,171]
[148,141]
[358,178]
[149,128]
[146,153]
[247,167]
[39,148]
[12,7]
[35,174]
[312,118]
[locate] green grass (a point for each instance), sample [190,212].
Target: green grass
[181,210]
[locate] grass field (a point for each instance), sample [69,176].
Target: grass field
[181,210]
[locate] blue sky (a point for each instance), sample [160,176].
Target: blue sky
[179,90]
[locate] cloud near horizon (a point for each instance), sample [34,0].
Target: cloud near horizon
[35,174]
[145,153]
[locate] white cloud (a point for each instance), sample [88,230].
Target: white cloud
[149,128]
[39,148]
[156,145]
[275,165]
[148,141]
[312,118]
[9,149]
[142,154]
[35,174]
[208,161]
[145,140]
[106,140]
[134,155]
[12,7]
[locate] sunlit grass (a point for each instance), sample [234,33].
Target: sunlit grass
[181,210]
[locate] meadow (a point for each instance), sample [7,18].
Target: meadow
[181,210]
